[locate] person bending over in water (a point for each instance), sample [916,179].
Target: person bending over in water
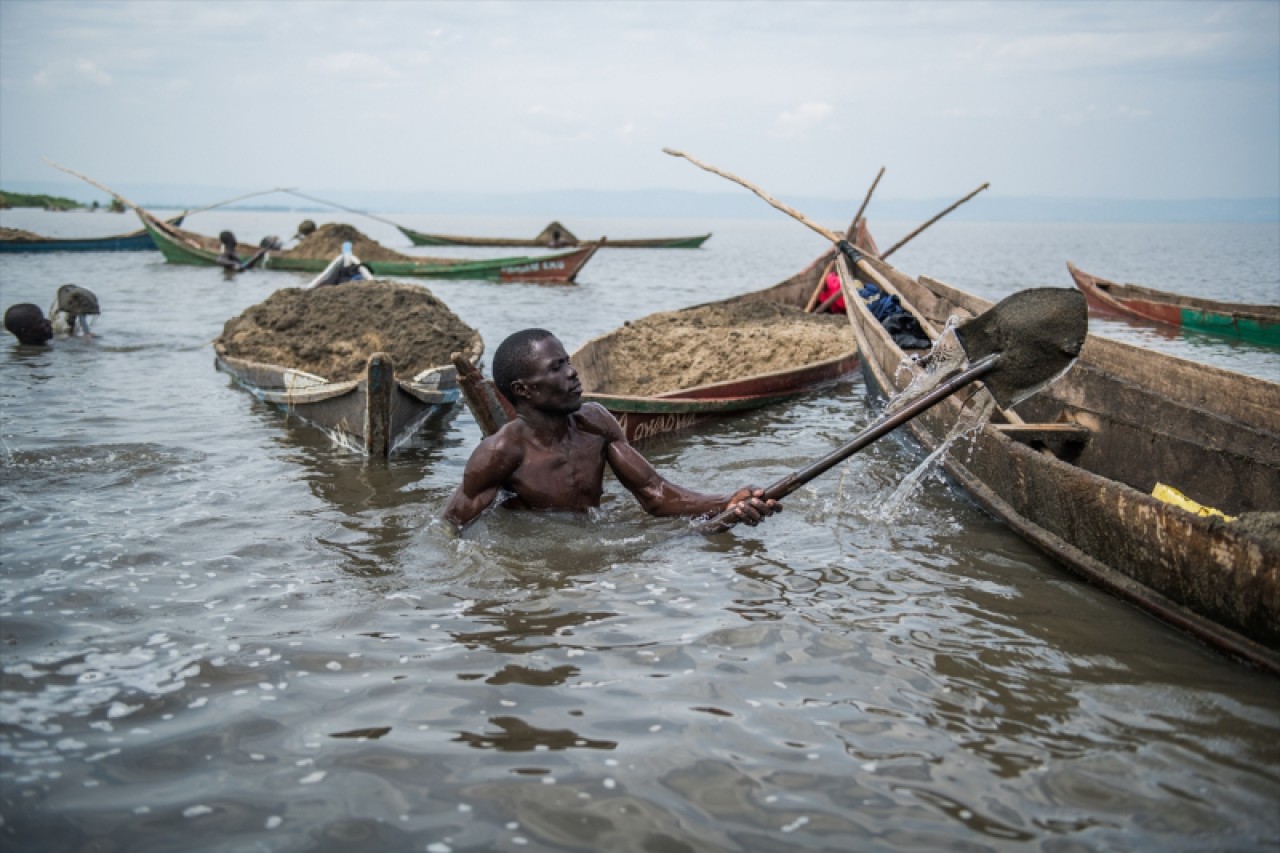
[552,456]
[28,324]
[229,260]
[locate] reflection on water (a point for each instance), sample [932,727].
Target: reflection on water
[219,631]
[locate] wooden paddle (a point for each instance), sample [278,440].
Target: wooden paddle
[1016,347]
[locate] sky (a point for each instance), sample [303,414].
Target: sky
[1079,99]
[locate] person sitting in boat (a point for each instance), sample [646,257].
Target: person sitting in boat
[831,296]
[229,260]
[27,323]
[73,310]
[553,454]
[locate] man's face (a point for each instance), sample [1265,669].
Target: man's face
[551,384]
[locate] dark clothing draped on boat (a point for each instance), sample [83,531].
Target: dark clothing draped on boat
[900,323]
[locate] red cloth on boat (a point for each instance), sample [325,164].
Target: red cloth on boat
[830,285]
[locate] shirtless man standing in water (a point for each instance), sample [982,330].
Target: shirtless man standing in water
[552,456]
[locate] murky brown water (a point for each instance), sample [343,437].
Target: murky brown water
[220,632]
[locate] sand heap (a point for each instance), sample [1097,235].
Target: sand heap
[19,234]
[325,243]
[716,343]
[332,331]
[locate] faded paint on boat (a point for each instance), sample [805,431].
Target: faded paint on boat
[1259,324]
[1148,417]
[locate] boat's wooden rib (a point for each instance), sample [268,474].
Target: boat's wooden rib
[554,236]
[187,247]
[1136,417]
[1258,324]
[134,241]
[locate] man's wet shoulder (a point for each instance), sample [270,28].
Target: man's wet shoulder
[596,419]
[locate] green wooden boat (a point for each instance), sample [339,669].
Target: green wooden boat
[187,247]
[554,236]
[1258,324]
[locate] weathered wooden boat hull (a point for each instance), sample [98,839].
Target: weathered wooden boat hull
[135,241]
[643,417]
[373,414]
[1148,418]
[419,238]
[1258,324]
[185,247]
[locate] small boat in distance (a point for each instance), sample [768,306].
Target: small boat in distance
[188,247]
[1073,470]
[554,236]
[1259,324]
[14,240]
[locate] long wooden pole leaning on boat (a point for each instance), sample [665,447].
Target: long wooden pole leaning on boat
[1016,347]
[898,245]
[849,235]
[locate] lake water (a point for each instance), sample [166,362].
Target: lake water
[221,632]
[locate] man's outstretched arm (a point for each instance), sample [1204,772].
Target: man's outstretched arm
[659,496]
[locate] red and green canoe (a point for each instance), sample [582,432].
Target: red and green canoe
[1259,324]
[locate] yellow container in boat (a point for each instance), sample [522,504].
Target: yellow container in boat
[1170,495]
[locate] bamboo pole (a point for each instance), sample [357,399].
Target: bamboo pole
[896,246]
[849,235]
[343,207]
[92,182]
[134,206]
[853,229]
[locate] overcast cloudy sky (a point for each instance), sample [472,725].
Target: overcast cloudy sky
[1142,99]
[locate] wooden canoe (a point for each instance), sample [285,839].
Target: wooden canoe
[554,236]
[374,414]
[188,247]
[645,416]
[1258,324]
[1073,469]
[134,241]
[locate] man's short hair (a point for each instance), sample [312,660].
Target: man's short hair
[27,323]
[227,237]
[512,361]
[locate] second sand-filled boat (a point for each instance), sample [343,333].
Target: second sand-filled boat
[367,362]
[676,378]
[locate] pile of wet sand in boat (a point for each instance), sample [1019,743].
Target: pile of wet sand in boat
[332,331]
[325,243]
[717,343]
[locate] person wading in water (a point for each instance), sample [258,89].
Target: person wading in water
[552,456]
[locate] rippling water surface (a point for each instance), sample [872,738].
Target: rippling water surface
[221,632]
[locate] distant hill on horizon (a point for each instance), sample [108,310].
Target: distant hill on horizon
[682,204]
